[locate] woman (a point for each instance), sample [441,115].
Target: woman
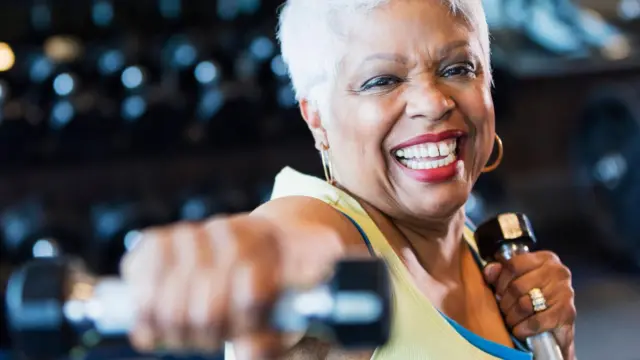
[397,96]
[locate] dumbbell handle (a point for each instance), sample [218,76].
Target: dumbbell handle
[111,308]
[502,238]
[544,346]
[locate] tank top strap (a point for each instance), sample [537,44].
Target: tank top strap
[470,239]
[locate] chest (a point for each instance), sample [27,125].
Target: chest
[470,302]
[418,330]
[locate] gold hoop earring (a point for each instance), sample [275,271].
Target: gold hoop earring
[492,167]
[326,165]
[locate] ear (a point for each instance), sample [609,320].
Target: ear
[311,116]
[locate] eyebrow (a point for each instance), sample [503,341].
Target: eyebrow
[403,59]
[447,49]
[386,56]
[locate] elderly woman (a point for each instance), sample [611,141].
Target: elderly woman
[397,94]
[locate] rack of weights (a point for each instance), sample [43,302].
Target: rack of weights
[105,80]
[117,116]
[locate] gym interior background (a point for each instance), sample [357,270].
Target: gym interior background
[117,115]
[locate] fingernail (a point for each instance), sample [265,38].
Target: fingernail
[490,270]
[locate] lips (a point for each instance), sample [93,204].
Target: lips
[430,157]
[431,138]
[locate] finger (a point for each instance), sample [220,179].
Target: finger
[561,312]
[492,272]
[504,279]
[236,237]
[254,290]
[523,306]
[171,311]
[520,265]
[236,243]
[152,254]
[260,346]
[143,269]
[519,287]
[524,263]
[191,247]
[544,321]
[190,253]
[207,309]
[547,276]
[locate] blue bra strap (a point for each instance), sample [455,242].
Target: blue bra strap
[518,344]
[492,348]
[362,233]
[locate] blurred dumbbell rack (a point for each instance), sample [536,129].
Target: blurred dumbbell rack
[109,98]
[118,115]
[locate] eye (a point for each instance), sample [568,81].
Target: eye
[466,69]
[380,81]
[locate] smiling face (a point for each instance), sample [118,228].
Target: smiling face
[409,119]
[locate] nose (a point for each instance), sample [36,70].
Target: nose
[426,100]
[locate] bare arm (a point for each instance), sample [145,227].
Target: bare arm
[302,212]
[295,211]
[310,348]
[190,278]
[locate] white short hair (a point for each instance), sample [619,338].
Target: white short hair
[312,46]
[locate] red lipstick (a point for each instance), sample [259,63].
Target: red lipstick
[438,174]
[430,138]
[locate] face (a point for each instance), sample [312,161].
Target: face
[410,120]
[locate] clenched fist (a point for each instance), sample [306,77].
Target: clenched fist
[514,279]
[200,284]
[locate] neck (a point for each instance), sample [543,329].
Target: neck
[437,248]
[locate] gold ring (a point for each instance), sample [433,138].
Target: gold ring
[538,300]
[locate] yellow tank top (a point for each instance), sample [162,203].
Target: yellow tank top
[419,331]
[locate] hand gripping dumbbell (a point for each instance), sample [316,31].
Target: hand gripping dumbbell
[55,306]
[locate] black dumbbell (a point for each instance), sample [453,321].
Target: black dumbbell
[500,239]
[55,306]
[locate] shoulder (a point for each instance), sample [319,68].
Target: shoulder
[299,211]
[310,214]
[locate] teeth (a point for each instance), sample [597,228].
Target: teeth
[444,149]
[433,150]
[428,150]
[424,152]
[421,164]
